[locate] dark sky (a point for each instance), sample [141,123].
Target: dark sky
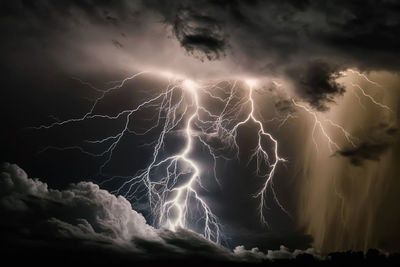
[49,47]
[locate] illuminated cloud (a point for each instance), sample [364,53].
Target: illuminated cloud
[273,39]
[84,218]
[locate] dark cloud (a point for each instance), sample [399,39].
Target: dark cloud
[284,106]
[199,33]
[365,151]
[297,30]
[379,140]
[315,82]
[259,37]
[269,37]
[99,11]
[117,44]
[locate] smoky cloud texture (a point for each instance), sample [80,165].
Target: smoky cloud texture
[316,83]
[380,139]
[199,33]
[290,31]
[306,42]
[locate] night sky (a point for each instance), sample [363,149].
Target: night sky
[298,100]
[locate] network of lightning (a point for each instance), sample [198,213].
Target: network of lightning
[172,183]
[321,123]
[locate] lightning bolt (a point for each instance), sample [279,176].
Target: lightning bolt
[363,92]
[364,77]
[173,183]
[260,154]
[320,124]
[181,199]
[375,102]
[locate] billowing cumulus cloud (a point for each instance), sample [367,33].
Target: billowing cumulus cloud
[85,218]
[282,253]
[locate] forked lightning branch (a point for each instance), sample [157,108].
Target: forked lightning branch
[171,183]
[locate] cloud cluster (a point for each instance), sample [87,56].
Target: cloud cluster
[259,38]
[84,217]
[282,254]
[379,140]
[199,33]
[86,212]
[277,33]
[316,83]
[306,42]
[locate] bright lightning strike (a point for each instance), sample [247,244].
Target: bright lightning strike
[364,77]
[375,102]
[260,154]
[172,183]
[319,124]
[363,92]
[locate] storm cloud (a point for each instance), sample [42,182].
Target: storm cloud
[379,140]
[277,33]
[86,219]
[301,48]
[304,42]
[316,83]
